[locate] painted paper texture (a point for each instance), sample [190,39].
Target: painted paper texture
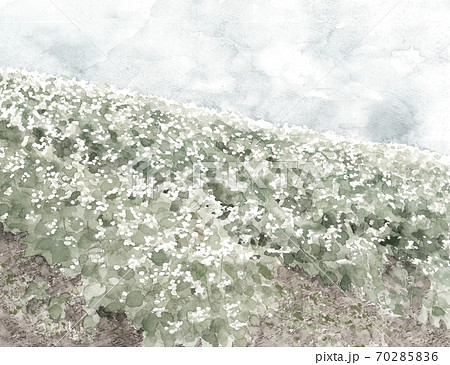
[224,173]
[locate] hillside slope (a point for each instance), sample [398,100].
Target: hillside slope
[181,216]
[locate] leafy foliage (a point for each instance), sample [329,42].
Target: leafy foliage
[193,257]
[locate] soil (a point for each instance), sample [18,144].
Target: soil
[27,322]
[315,314]
[311,313]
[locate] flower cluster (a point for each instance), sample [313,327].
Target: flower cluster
[157,206]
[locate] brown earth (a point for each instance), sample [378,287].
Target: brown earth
[315,314]
[26,322]
[310,314]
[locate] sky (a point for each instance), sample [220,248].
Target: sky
[377,71]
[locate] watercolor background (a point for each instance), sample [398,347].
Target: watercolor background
[259,58]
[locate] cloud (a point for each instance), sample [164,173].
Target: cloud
[256,58]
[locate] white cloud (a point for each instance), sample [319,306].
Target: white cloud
[257,58]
